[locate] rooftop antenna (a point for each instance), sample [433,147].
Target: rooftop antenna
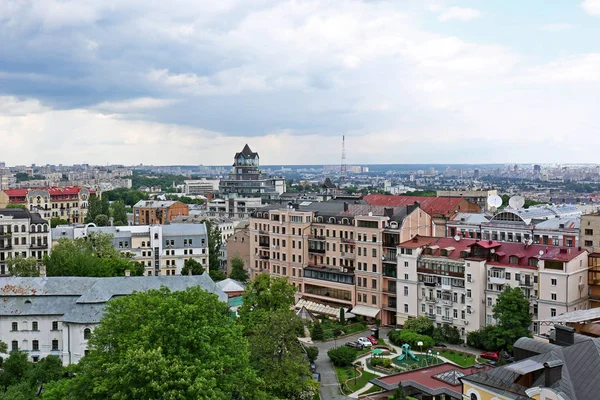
[343,164]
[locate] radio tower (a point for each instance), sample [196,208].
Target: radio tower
[343,164]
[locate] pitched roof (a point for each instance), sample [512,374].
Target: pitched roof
[247,153]
[433,205]
[53,190]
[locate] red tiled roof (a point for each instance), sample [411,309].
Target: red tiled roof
[55,190]
[503,250]
[433,205]
[16,192]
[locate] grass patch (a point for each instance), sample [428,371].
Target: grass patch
[345,373]
[462,359]
[374,389]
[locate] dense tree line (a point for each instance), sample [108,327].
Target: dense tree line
[165,181]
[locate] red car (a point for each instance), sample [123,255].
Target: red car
[372,340]
[490,355]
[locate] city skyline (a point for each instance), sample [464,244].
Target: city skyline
[190,83]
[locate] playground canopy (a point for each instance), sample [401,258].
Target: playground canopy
[377,352]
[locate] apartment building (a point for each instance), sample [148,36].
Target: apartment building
[589,239]
[547,225]
[57,315]
[472,196]
[22,233]
[336,253]
[238,246]
[441,209]
[201,186]
[162,249]
[457,282]
[68,203]
[157,212]
[239,207]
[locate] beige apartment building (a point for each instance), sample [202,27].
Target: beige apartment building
[457,282]
[589,239]
[335,253]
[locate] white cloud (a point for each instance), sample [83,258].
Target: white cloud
[141,103]
[571,69]
[456,13]
[592,7]
[558,27]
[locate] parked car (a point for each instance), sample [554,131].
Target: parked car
[355,345]
[490,355]
[317,377]
[365,342]
[313,367]
[373,340]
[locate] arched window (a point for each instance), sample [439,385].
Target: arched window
[143,244]
[23,228]
[87,332]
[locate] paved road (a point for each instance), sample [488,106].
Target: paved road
[330,388]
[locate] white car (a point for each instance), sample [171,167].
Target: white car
[365,342]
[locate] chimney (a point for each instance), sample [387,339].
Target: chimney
[388,212]
[345,206]
[127,272]
[42,271]
[417,204]
[564,335]
[552,372]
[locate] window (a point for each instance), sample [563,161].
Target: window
[553,296]
[438,310]
[553,312]
[405,264]
[406,308]
[423,307]
[405,277]
[374,267]
[14,345]
[553,281]
[55,345]
[455,313]
[513,260]
[468,293]
[15,326]
[589,231]
[35,345]
[374,283]
[373,299]
[54,325]
[588,243]
[34,326]
[462,314]
[469,278]
[507,275]
[374,252]
[87,333]
[406,290]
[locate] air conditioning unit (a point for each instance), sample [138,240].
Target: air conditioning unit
[466,322]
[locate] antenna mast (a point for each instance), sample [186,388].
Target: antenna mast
[343,164]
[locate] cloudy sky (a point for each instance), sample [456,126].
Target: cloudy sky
[192,81]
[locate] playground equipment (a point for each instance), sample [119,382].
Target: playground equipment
[406,352]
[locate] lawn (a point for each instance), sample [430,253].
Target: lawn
[330,326]
[462,359]
[345,373]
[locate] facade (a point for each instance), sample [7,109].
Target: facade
[56,315]
[156,212]
[238,208]
[22,233]
[162,249]
[547,225]
[441,209]
[473,196]
[238,246]
[457,282]
[246,180]
[589,239]
[68,203]
[201,186]
[335,253]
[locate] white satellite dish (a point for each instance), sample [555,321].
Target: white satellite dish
[494,201]
[457,238]
[492,251]
[529,242]
[516,202]
[541,252]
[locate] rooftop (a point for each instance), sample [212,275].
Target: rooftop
[433,205]
[154,203]
[54,190]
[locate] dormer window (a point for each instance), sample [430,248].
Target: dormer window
[513,260]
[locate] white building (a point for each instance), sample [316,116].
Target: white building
[239,208]
[201,186]
[22,233]
[56,315]
[163,249]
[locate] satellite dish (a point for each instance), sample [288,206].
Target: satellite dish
[492,251]
[516,202]
[494,201]
[457,238]
[529,242]
[541,252]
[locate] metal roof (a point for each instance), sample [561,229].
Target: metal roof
[574,317]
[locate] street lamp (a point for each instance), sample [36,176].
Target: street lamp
[437,358]
[420,344]
[428,357]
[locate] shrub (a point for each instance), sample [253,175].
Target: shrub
[406,336]
[448,334]
[342,356]
[375,362]
[312,353]
[488,338]
[387,362]
[421,325]
[317,332]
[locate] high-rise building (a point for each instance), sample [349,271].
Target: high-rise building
[246,179]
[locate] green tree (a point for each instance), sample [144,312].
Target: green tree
[14,369]
[513,320]
[94,208]
[54,222]
[118,213]
[237,270]
[19,391]
[127,196]
[317,332]
[342,316]
[214,245]
[144,350]
[421,325]
[13,205]
[266,293]
[194,266]
[102,220]
[312,353]
[21,266]
[342,356]
[217,275]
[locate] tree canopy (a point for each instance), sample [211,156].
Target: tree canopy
[237,270]
[194,266]
[165,345]
[215,241]
[20,379]
[21,266]
[118,213]
[512,316]
[94,255]
[421,325]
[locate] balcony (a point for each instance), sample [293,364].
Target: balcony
[526,283]
[264,256]
[497,280]
[316,250]
[390,306]
[431,300]
[349,241]
[389,272]
[390,291]
[348,256]
[431,316]
[263,244]
[316,237]
[447,319]
[38,246]
[262,232]
[390,259]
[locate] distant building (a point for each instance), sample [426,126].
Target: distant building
[151,212]
[57,315]
[473,196]
[201,186]
[162,249]
[238,208]
[537,169]
[246,180]
[22,233]
[68,203]
[238,246]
